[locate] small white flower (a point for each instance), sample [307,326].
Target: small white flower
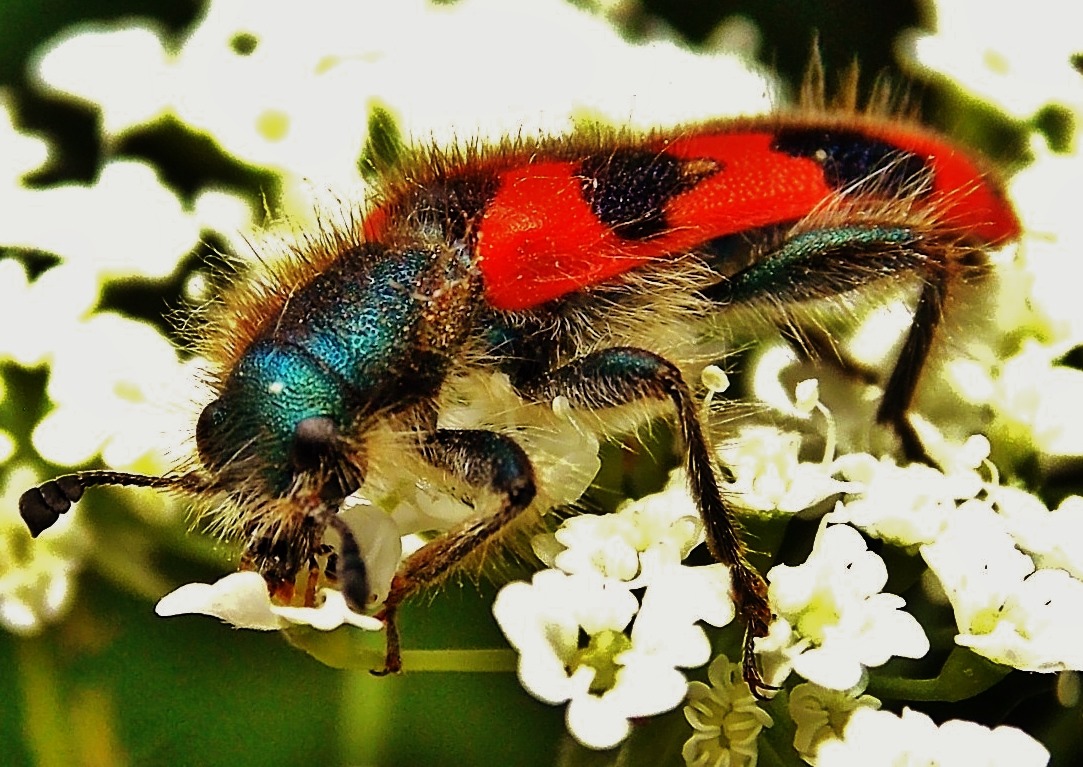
[116,53]
[726,719]
[542,620]
[242,599]
[882,739]
[1050,231]
[613,675]
[907,505]
[66,293]
[822,714]
[1054,538]
[833,621]
[769,474]
[1005,609]
[677,598]
[1037,397]
[100,234]
[641,537]
[964,460]
[1037,628]
[600,543]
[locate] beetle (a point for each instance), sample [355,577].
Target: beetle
[545,260]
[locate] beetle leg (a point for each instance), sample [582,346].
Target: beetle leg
[820,263]
[623,375]
[483,459]
[903,381]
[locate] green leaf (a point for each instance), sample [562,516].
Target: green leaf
[964,675]
[384,149]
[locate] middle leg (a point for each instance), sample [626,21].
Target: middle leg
[623,375]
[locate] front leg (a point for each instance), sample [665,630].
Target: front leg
[482,459]
[623,375]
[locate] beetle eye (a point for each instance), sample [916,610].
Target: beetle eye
[314,439]
[209,433]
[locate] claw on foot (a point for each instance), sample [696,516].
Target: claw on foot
[393,653]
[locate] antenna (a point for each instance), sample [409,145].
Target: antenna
[41,506]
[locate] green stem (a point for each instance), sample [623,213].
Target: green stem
[44,728]
[345,650]
[469,661]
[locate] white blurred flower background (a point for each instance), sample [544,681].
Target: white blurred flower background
[140,140]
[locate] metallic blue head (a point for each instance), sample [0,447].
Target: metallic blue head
[279,411]
[368,335]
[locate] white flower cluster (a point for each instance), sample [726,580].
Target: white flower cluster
[1007,607]
[1021,381]
[833,621]
[1008,564]
[585,637]
[290,88]
[106,369]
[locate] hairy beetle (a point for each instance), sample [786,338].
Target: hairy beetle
[544,260]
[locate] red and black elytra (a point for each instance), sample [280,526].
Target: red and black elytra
[549,261]
[600,209]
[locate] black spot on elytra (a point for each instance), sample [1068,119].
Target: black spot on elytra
[854,162]
[628,189]
[452,204]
